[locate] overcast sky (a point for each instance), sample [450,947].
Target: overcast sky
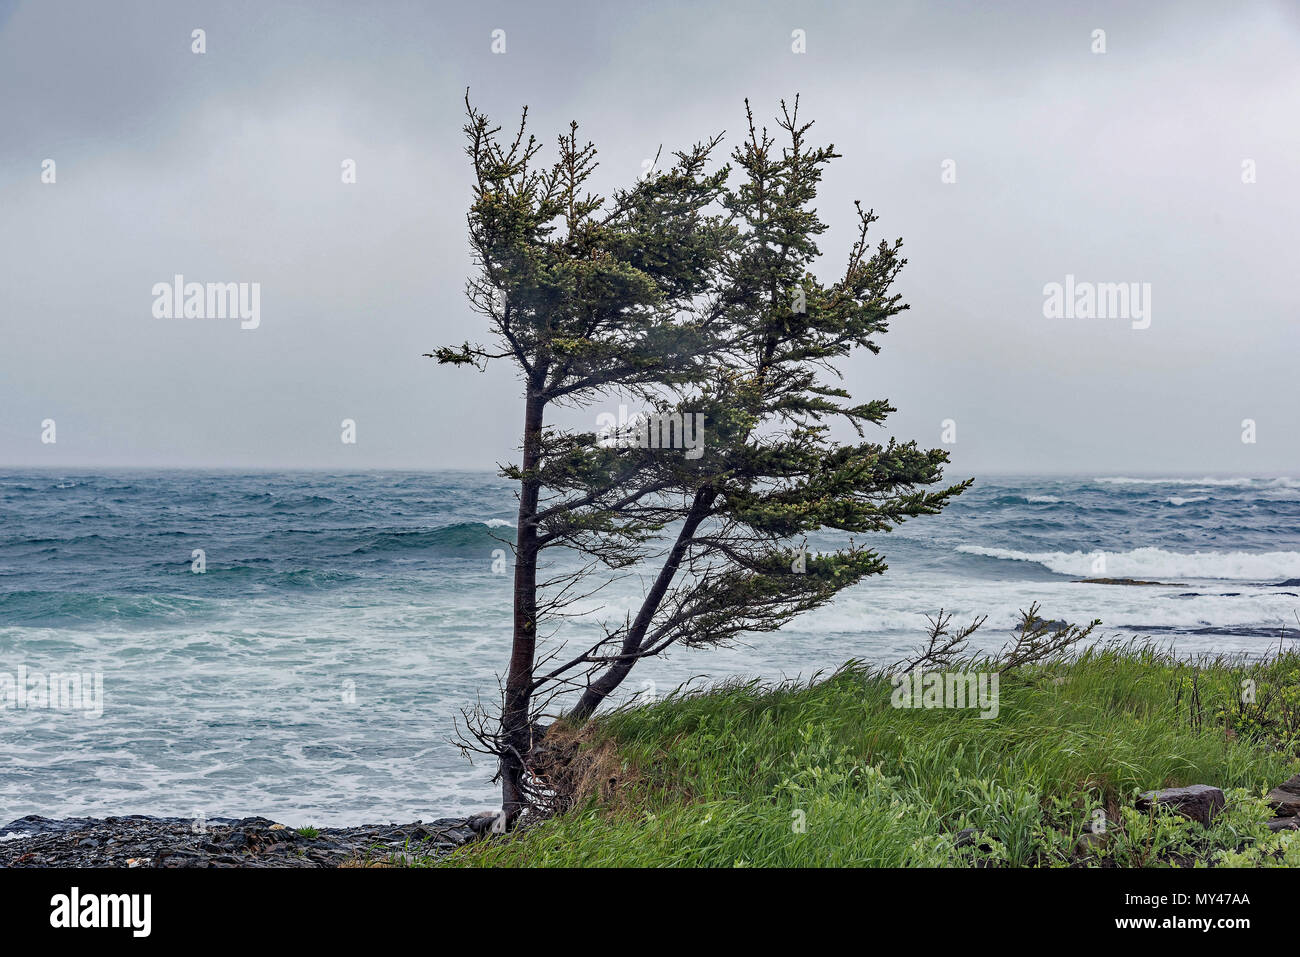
[1123,166]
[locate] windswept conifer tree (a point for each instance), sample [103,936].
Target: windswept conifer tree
[696,296]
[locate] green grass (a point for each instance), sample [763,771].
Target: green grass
[308,831]
[830,774]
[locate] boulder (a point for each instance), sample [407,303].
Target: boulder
[1285,798]
[1200,802]
[1090,841]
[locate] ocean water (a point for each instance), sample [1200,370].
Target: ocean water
[313,671]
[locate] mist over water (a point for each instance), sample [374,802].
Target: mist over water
[312,672]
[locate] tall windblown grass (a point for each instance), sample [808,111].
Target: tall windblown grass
[828,773]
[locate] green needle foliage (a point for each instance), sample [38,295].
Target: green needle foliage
[696,296]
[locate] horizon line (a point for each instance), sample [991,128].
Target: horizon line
[333,470]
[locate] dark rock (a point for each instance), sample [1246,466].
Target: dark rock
[1200,802]
[481,823]
[1285,798]
[1284,824]
[1124,581]
[970,837]
[173,858]
[1093,841]
[35,824]
[141,841]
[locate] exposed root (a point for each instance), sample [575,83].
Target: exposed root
[572,765]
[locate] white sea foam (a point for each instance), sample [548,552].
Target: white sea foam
[867,615]
[296,705]
[1157,563]
[1043,499]
[1179,500]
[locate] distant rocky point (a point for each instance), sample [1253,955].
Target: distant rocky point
[1122,581]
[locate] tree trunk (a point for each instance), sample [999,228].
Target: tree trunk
[516,729]
[602,687]
[613,676]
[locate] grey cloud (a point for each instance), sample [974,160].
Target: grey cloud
[225,167]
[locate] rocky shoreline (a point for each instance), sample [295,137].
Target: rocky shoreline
[258,842]
[144,841]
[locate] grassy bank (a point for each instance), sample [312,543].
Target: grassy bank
[830,773]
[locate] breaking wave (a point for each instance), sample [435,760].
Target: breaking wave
[1157,563]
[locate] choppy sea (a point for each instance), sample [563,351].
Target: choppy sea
[312,671]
